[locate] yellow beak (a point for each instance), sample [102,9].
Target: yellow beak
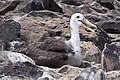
[88,25]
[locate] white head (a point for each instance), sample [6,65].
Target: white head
[75,20]
[78,20]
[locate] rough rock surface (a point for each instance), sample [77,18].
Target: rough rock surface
[110,26]
[20,70]
[110,58]
[90,52]
[8,6]
[9,31]
[26,22]
[28,5]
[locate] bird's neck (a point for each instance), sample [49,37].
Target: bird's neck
[75,33]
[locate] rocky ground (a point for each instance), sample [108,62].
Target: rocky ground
[25,22]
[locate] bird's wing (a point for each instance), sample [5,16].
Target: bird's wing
[55,45]
[50,53]
[69,45]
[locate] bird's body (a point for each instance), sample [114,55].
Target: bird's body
[74,42]
[55,53]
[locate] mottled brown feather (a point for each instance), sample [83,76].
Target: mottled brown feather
[51,52]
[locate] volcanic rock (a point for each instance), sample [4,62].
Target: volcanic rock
[110,58]
[8,6]
[90,52]
[20,70]
[107,3]
[9,31]
[31,5]
[110,26]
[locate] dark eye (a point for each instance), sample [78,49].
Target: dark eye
[78,16]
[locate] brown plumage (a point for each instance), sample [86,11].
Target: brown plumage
[51,52]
